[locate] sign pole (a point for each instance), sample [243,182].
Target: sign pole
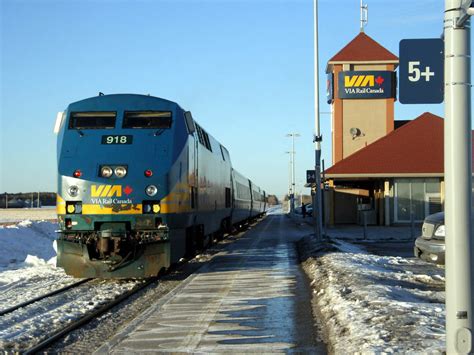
[458,180]
[317,138]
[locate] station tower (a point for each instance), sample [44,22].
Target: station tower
[361,88]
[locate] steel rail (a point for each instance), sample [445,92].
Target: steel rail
[39,298]
[86,319]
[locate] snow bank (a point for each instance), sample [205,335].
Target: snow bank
[377,304]
[26,241]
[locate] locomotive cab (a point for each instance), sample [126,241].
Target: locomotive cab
[114,158]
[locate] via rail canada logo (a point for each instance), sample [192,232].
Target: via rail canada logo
[363,84]
[110,194]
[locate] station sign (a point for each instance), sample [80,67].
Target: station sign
[330,88]
[310,177]
[421,71]
[366,85]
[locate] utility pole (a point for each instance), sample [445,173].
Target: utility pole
[292,196]
[289,177]
[458,177]
[317,204]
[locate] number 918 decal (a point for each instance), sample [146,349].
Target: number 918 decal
[117,139]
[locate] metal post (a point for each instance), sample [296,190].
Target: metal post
[323,209]
[364,219]
[412,224]
[317,207]
[458,175]
[292,154]
[6,200]
[38,201]
[289,180]
[293,175]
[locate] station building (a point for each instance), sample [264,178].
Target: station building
[385,171]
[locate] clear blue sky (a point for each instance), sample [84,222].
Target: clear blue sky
[244,68]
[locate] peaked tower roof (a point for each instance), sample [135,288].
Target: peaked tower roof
[363,49]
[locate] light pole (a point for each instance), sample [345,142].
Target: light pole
[317,202]
[289,174]
[458,175]
[292,196]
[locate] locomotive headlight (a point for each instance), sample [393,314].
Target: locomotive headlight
[73,191]
[106,171]
[71,209]
[120,171]
[151,190]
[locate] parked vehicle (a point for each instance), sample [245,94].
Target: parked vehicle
[430,246]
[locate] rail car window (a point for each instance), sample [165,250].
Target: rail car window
[203,137]
[243,191]
[222,152]
[200,134]
[92,120]
[147,119]
[207,141]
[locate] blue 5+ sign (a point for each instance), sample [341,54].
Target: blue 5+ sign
[421,71]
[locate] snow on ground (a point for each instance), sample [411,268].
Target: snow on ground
[28,262]
[27,326]
[376,304]
[27,270]
[26,238]
[277,209]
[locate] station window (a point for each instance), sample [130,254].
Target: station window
[147,119]
[92,120]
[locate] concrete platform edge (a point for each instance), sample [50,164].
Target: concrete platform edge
[108,346]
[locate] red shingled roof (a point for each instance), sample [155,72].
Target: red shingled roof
[363,48]
[415,148]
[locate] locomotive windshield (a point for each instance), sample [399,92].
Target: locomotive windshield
[92,120]
[147,119]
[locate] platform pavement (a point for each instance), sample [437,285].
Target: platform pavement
[350,232]
[253,297]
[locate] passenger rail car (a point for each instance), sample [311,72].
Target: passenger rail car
[140,185]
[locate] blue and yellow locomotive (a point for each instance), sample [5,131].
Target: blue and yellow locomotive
[140,185]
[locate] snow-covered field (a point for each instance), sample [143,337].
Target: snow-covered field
[33,214]
[25,238]
[27,270]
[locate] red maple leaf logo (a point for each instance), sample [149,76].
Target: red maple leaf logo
[128,190]
[379,80]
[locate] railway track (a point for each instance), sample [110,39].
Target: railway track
[51,338]
[24,311]
[42,297]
